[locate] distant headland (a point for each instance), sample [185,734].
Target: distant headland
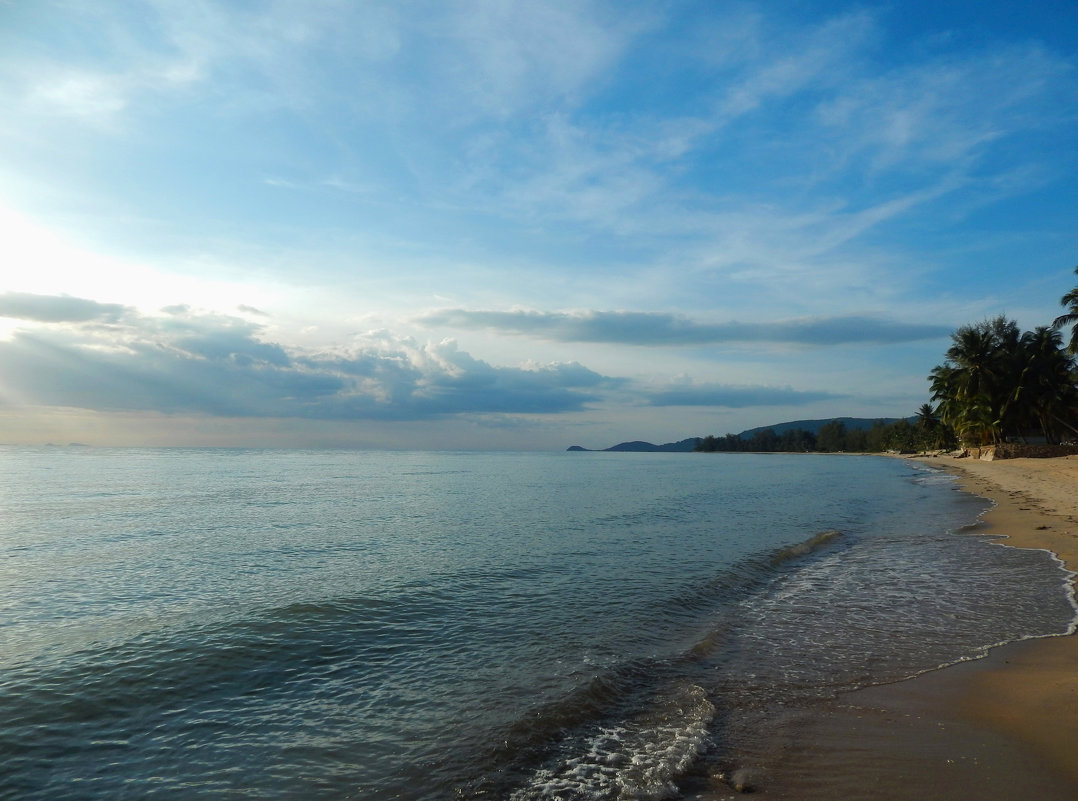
[682,446]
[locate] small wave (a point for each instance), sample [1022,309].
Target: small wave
[751,573]
[588,702]
[639,758]
[924,474]
[434,472]
[805,547]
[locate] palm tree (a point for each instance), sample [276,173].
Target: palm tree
[926,417]
[983,355]
[1070,301]
[928,427]
[996,382]
[975,386]
[1045,390]
[966,414]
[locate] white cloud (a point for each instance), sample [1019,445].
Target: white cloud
[110,358]
[518,55]
[787,65]
[655,329]
[336,165]
[947,110]
[81,94]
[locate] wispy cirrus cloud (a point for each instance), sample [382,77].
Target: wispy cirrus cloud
[615,169]
[814,59]
[946,110]
[170,51]
[796,156]
[670,330]
[510,56]
[806,178]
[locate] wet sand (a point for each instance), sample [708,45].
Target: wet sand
[1034,697]
[1002,727]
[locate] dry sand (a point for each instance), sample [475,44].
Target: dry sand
[1002,727]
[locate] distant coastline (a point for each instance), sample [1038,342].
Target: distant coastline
[691,444]
[639,446]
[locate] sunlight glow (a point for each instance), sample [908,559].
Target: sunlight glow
[46,262]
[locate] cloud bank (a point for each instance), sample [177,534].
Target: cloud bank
[109,358]
[661,329]
[58,309]
[188,362]
[732,397]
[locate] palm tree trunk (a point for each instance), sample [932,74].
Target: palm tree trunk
[1065,424]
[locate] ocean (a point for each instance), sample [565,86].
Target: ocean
[271,624]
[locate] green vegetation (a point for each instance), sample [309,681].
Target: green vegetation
[833,437]
[1070,300]
[996,384]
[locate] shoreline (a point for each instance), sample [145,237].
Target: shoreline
[1003,726]
[1032,695]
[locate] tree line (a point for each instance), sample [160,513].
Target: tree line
[996,384]
[833,437]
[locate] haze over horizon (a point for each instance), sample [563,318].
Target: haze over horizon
[516,225]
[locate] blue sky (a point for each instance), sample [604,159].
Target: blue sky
[516,225]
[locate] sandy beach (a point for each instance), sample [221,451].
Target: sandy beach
[1001,727]
[1033,697]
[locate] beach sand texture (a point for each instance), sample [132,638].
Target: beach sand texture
[1002,727]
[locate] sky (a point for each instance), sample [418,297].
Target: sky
[505,225]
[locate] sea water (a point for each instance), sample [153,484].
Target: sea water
[260,624]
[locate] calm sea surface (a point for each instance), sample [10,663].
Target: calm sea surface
[227,624]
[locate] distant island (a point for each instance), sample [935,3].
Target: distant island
[830,434]
[682,446]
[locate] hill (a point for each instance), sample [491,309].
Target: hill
[687,445]
[638,446]
[813,426]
